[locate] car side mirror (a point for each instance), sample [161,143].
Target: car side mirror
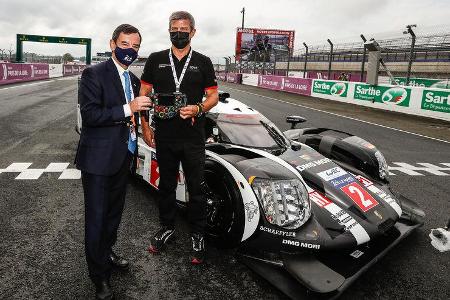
[223,97]
[294,120]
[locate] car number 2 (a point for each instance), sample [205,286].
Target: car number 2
[360,196]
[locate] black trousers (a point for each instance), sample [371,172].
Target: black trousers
[192,157]
[104,199]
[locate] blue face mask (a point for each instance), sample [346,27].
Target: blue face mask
[125,55]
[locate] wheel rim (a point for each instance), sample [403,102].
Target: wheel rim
[220,213]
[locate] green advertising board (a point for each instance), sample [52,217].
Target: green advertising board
[436,100]
[424,82]
[383,94]
[328,87]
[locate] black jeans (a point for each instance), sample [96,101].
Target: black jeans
[192,157]
[104,199]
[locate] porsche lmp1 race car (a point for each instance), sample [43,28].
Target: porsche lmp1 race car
[308,209]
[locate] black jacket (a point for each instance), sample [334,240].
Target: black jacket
[104,137]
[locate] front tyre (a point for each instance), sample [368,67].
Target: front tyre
[225,209]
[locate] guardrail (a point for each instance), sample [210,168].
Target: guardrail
[14,73]
[420,101]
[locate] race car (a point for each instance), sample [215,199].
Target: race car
[308,209]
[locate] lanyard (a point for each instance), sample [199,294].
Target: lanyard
[174,72]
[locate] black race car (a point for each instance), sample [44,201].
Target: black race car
[309,209]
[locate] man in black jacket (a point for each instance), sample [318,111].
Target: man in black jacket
[107,151]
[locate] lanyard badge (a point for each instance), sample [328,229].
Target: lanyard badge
[174,72]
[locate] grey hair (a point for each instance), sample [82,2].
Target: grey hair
[182,15]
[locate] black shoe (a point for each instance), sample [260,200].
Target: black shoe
[198,248]
[103,290]
[164,235]
[118,262]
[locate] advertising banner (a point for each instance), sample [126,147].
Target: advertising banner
[436,100]
[270,82]
[250,79]
[222,76]
[297,85]
[55,70]
[333,88]
[70,70]
[11,72]
[425,82]
[234,77]
[263,45]
[392,95]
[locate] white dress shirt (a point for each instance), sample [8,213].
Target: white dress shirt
[126,107]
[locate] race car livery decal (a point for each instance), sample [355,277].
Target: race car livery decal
[380,193]
[313,164]
[277,232]
[342,180]
[301,244]
[319,199]
[332,173]
[349,223]
[154,171]
[251,210]
[248,197]
[340,216]
[366,182]
[360,196]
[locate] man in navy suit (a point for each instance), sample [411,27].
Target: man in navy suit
[107,151]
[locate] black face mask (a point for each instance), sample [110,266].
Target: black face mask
[179,39]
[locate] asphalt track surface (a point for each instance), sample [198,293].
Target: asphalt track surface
[41,219]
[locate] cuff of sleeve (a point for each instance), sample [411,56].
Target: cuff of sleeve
[127,110]
[146,83]
[214,87]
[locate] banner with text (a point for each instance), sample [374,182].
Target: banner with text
[425,82]
[436,100]
[383,94]
[11,73]
[329,87]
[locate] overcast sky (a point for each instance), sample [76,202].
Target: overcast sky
[313,21]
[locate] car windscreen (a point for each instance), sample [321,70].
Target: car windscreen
[251,130]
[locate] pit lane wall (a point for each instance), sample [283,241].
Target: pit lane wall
[414,100]
[15,73]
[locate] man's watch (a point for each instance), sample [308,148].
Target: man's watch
[200,109]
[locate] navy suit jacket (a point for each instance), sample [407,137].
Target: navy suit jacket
[103,144]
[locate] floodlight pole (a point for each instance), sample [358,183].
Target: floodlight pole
[361,78]
[306,60]
[411,53]
[226,64]
[330,58]
[288,61]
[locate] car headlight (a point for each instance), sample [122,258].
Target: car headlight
[285,202]
[383,168]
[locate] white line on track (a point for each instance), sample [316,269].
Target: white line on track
[342,116]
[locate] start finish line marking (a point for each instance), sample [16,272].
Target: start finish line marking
[27,173]
[397,168]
